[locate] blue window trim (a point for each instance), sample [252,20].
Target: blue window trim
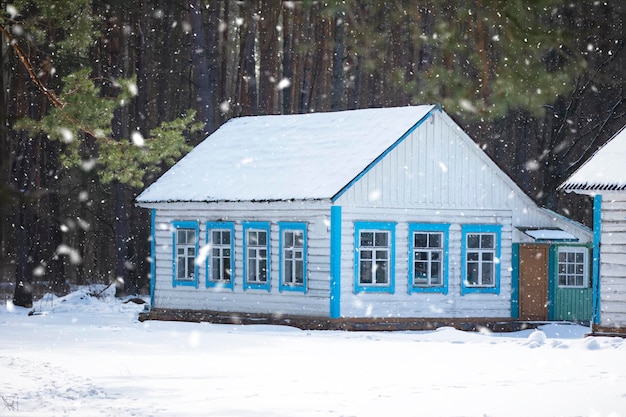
[429,227]
[184,225]
[375,227]
[480,228]
[335,261]
[256,226]
[282,227]
[221,226]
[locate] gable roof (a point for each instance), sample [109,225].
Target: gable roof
[285,157]
[605,170]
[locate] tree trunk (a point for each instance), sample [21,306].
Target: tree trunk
[336,92]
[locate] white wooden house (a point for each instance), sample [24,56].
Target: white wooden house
[603,177]
[373,213]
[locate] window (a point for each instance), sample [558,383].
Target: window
[374,256]
[220,260]
[293,256]
[428,258]
[185,245]
[481,259]
[572,267]
[256,244]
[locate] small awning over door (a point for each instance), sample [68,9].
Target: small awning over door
[548,234]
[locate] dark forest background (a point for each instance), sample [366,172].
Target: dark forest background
[100,97]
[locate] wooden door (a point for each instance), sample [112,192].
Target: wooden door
[533,282]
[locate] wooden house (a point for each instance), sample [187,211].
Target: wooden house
[603,177]
[389,213]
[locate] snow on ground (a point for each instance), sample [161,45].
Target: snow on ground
[82,356]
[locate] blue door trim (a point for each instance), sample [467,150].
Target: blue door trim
[335,262]
[595,273]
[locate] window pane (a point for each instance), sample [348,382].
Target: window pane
[487,273]
[382,239]
[190,267]
[288,272]
[288,239]
[487,241]
[252,238]
[435,240]
[227,269]
[299,272]
[472,273]
[473,241]
[381,272]
[420,270]
[215,271]
[367,239]
[299,240]
[435,272]
[263,272]
[420,240]
[365,272]
[180,267]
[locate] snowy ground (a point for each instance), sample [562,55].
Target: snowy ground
[88,357]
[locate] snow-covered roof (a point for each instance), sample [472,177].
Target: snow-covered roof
[284,157]
[605,170]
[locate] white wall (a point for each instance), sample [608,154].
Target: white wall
[613,260]
[314,302]
[426,305]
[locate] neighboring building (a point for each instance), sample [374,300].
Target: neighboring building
[603,177]
[390,213]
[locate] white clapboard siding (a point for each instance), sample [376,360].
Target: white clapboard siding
[426,305]
[314,302]
[613,260]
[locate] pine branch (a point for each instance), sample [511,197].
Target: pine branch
[52,97]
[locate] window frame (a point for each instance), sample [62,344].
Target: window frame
[257,285]
[481,229]
[586,267]
[176,227]
[221,226]
[389,227]
[284,227]
[444,229]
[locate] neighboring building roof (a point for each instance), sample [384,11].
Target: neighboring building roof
[284,157]
[605,170]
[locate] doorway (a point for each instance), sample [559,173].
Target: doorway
[533,282]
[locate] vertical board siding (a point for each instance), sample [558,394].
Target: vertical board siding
[436,166]
[572,304]
[613,261]
[314,302]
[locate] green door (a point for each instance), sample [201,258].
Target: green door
[571,283]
